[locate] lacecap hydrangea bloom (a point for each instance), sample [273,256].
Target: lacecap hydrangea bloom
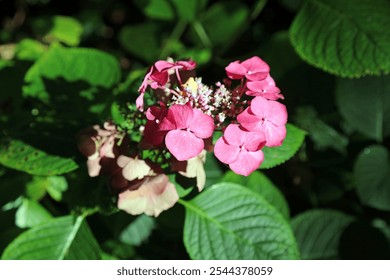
[177,115]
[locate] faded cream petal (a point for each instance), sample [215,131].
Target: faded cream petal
[134,168]
[155,195]
[195,168]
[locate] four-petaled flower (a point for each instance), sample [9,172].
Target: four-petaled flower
[254,69]
[187,128]
[240,149]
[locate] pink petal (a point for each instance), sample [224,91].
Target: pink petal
[139,102]
[180,115]
[271,111]
[256,68]
[247,162]
[224,152]
[255,141]
[274,134]
[163,65]
[187,65]
[265,88]
[183,144]
[234,135]
[250,121]
[202,125]
[235,70]
[152,197]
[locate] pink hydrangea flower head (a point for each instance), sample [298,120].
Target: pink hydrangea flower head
[154,195]
[265,88]
[187,127]
[254,69]
[268,117]
[240,149]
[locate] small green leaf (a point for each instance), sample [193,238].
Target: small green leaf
[138,231]
[365,105]
[39,185]
[346,38]
[226,221]
[188,10]
[29,49]
[318,233]
[59,28]
[221,23]
[261,185]
[31,213]
[133,39]
[65,238]
[274,156]
[323,135]
[372,176]
[156,9]
[94,67]
[20,156]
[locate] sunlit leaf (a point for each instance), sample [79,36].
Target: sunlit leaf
[65,238]
[226,221]
[260,184]
[31,213]
[20,156]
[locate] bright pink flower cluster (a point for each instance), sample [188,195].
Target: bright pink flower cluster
[178,125]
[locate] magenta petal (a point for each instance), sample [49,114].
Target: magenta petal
[247,162]
[255,141]
[163,65]
[234,135]
[256,69]
[183,144]
[235,70]
[225,152]
[272,111]
[182,114]
[202,125]
[139,102]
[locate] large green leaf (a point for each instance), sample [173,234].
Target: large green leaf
[31,213]
[318,233]
[65,238]
[260,184]
[94,67]
[59,28]
[20,156]
[228,222]
[372,176]
[138,231]
[274,156]
[344,37]
[365,105]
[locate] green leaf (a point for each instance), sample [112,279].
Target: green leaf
[226,221]
[94,67]
[133,39]
[20,156]
[274,156]
[65,238]
[323,135]
[59,28]
[372,176]
[261,185]
[188,10]
[213,170]
[220,24]
[318,233]
[156,9]
[365,105]
[138,231]
[29,49]
[31,213]
[54,185]
[344,37]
